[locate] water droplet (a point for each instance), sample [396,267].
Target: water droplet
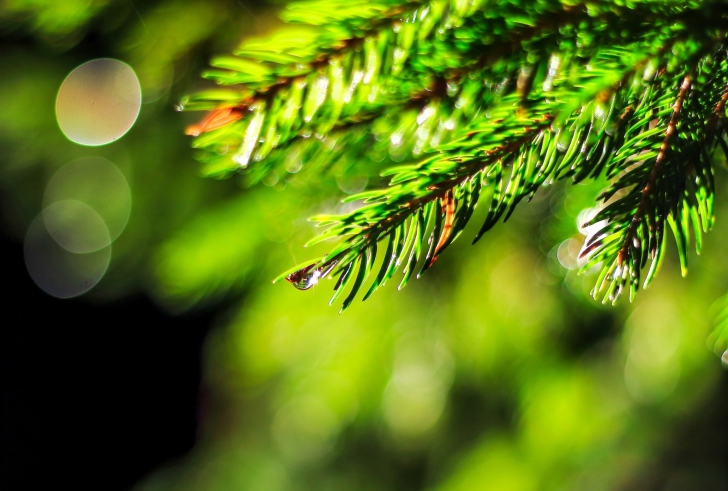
[650,71]
[564,141]
[352,184]
[293,163]
[271,178]
[305,278]
[724,358]
[396,139]
[426,113]
[250,139]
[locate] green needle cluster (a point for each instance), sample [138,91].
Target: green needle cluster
[484,102]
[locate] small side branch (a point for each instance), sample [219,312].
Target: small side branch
[649,188]
[718,113]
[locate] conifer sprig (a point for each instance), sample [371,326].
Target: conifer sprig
[718,340]
[495,100]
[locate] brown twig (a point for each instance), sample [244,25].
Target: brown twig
[649,188]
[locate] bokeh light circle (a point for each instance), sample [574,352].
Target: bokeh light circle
[55,270]
[98,183]
[98,102]
[76,226]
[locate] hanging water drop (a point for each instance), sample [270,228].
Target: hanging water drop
[305,278]
[564,140]
[724,358]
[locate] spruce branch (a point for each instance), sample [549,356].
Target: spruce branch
[718,339]
[362,67]
[487,101]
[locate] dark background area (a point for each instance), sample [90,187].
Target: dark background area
[93,395]
[96,392]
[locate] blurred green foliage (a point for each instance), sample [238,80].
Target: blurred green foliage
[497,372]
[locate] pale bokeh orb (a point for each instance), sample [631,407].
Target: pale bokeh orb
[57,271]
[98,102]
[99,184]
[76,226]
